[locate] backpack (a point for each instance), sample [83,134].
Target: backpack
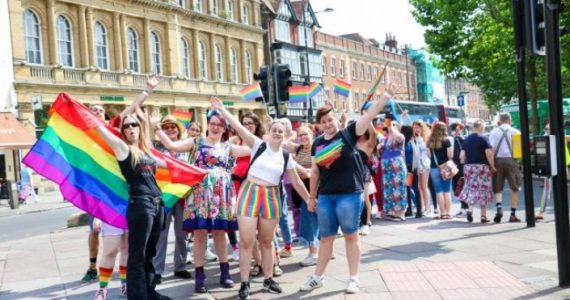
[258,153]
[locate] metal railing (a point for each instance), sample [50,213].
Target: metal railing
[45,72]
[74,75]
[109,77]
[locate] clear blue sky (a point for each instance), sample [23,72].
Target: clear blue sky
[372,19]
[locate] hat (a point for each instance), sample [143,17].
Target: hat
[170,119]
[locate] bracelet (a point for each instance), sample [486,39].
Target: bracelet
[146,92]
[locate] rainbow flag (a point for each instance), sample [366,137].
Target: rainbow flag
[72,154]
[314,89]
[342,87]
[183,117]
[376,84]
[251,92]
[298,93]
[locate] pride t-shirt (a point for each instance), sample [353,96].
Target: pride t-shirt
[340,165]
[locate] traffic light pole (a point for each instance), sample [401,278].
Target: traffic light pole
[274,84]
[308,78]
[560,187]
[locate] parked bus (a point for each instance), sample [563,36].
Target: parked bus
[427,112]
[543,114]
[451,114]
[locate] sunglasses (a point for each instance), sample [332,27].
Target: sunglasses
[130,125]
[247,123]
[166,127]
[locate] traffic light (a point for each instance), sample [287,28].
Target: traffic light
[263,78]
[282,81]
[535,33]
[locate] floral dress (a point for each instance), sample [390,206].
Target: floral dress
[393,177]
[210,205]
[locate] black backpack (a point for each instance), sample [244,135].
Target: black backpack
[258,153]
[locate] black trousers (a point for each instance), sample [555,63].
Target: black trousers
[145,218]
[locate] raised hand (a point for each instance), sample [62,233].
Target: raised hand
[216,103]
[392,89]
[152,82]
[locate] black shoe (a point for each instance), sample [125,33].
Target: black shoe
[408,213]
[269,285]
[498,216]
[158,296]
[244,291]
[470,216]
[157,279]
[183,274]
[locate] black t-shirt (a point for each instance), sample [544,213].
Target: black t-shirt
[140,180]
[475,146]
[340,165]
[440,154]
[457,147]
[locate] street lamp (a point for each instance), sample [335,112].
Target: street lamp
[308,77]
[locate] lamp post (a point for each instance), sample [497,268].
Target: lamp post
[308,77]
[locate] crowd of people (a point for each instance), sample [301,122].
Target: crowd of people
[328,175]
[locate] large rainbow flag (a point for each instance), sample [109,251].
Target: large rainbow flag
[72,154]
[314,89]
[183,117]
[342,87]
[298,93]
[251,92]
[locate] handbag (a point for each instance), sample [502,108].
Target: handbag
[459,186]
[448,169]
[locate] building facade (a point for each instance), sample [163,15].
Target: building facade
[473,99]
[430,80]
[101,52]
[359,61]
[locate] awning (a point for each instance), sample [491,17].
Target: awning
[12,134]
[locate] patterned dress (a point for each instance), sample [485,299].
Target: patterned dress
[393,177]
[210,205]
[478,186]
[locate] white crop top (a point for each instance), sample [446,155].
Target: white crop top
[269,165]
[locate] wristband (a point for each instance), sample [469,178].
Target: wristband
[146,93]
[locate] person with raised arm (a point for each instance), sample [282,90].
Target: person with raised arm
[259,197]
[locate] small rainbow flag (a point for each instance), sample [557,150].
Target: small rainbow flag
[298,93]
[342,87]
[314,89]
[376,84]
[251,92]
[183,117]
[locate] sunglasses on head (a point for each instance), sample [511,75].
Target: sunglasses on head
[169,126]
[130,125]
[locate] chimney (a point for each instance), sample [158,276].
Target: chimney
[391,41]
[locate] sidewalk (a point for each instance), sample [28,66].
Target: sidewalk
[48,201]
[416,259]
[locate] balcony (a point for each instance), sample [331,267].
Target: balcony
[109,80]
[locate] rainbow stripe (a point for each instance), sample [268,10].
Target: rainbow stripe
[183,117]
[376,84]
[251,92]
[342,87]
[256,200]
[72,154]
[314,89]
[123,274]
[298,93]
[104,276]
[327,155]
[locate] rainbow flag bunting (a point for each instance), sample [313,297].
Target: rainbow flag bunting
[376,84]
[251,92]
[314,89]
[298,93]
[342,87]
[72,154]
[183,117]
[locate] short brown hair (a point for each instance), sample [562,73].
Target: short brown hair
[322,111]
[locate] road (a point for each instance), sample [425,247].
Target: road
[33,224]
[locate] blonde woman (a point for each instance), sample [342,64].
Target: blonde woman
[421,162]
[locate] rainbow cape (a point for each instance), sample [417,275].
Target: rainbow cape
[376,84]
[72,154]
[342,87]
[314,89]
[298,93]
[183,117]
[251,92]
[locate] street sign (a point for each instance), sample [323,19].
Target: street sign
[228,103]
[112,98]
[37,102]
[460,100]
[271,110]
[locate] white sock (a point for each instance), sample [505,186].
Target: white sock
[354,278]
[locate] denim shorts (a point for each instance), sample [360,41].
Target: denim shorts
[336,210]
[439,185]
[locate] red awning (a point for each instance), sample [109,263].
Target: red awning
[12,134]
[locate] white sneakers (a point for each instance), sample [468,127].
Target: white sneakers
[353,286]
[209,256]
[234,256]
[310,260]
[365,230]
[312,282]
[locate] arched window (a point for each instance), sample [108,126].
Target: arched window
[248,66]
[65,46]
[32,37]
[219,64]
[245,18]
[133,49]
[231,10]
[234,65]
[155,53]
[184,58]
[101,51]
[203,62]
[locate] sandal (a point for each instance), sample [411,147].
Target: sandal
[256,271]
[446,217]
[539,218]
[484,220]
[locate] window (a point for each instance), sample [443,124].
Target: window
[283,31]
[305,32]
[101,51]
[248,66]
[203,62]
[375,72]
[353,70]
[341,69]
[32,37]
[214,9]
[64,44]
[355,102]
[324,64]
[369,73]
[333,66]
[155,53]
[231,10]
[234,64]
[219,64]
[198,5]
[182,3]
[133,50]
[361,71]
[245,17]
[184,58]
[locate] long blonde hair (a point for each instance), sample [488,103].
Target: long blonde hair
[438,135]
[142,146]
[424,128]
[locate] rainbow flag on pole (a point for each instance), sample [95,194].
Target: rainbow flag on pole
[251,92]
[376,84]
[314,89]
[72,154]
[342,87]
[183,117]
[298,93]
